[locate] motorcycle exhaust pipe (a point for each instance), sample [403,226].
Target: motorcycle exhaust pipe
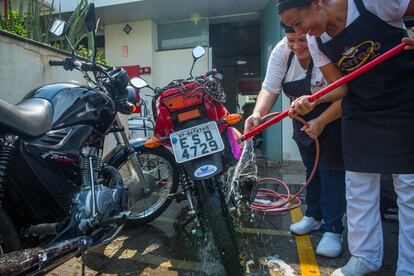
[42,229]
[36,260]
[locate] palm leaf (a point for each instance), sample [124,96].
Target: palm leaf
[36,22]
[76,23]
[10,19]
[21,2]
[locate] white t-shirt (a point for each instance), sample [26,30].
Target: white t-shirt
[277,66]
[391,11]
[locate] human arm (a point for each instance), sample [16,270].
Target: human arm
[409,40]
[272,84]
[264,103]
[410,8]
[317,125]
[302,105]
[330,73]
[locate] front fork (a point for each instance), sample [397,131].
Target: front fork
[132,154]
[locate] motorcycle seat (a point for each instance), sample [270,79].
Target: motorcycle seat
[31,117]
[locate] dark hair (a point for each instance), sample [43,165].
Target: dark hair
[287,28]
[283,5]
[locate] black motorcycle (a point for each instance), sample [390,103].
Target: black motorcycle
[58,196]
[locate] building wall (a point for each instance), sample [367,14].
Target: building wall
[140,43]
[176,64]
[272,137]
[25,66]
[278,142]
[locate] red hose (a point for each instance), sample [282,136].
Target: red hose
[279,202]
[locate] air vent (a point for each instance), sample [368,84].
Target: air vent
[55,137]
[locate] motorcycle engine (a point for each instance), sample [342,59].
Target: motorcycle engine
[110,199]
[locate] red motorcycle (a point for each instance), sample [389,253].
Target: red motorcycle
[190,117]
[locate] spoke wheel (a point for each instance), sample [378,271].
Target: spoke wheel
[161,175]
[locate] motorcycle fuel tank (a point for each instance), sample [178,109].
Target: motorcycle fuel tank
[74,104]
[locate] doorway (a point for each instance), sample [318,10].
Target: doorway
[236,53]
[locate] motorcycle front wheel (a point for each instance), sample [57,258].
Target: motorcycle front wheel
[215,210]
[161,174]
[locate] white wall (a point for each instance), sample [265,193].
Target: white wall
[140,41]
[176,64]
[25,66]
[289,147]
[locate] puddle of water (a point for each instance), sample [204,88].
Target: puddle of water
[210,261]
[276,266]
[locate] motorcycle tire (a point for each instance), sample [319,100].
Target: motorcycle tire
[155,210]
[9,238]
[215,211]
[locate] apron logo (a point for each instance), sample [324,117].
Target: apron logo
[357,56]
[315,87]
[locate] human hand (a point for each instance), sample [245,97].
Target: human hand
[314,128]
[409,41]
[301,106]
[252,122]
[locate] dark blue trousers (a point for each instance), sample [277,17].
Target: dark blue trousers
[325,198]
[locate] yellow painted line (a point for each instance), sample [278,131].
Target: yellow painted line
[307,259]
[263,231]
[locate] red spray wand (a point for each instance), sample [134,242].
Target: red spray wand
[385,56]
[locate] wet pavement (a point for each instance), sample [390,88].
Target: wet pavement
[164,248]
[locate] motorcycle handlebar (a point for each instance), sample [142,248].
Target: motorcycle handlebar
[205,75]
[56,62]
[70,64]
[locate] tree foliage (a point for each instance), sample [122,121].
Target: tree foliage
[35,25]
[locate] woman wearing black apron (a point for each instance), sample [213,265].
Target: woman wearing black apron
[378,114]
[291,69]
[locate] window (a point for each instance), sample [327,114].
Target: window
[182,34]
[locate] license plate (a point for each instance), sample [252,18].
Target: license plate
[196,142]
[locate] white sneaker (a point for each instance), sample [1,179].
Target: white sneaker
[354,267]
[330,245]
[305,225]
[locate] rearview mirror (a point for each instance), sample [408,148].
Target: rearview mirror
[138,83]
[198,52]
[90,18]
[58,27]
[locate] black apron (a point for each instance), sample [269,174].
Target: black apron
[329,139]
[378,110]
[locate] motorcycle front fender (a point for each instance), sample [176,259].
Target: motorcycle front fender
[118,154]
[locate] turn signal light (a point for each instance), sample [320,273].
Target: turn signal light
[152,143]
[232,119]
